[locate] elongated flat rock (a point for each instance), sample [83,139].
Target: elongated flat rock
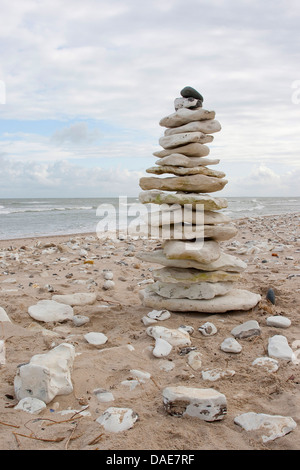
[179,171]
[178,159]
[191,183]
[170,214]
[184,115]
[206,127]
[189,232]
[190,150]
[236,299]
[204,403]
[79,298]
[159,197]
[191,276]
[173,141]
[225,262]
[270,426]
[202,290]
[50,310]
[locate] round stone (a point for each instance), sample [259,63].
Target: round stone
[189,92]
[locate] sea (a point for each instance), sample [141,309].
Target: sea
[37,217]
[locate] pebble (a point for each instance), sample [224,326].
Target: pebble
[140,375]
[80,320]
[96,339]
[162,348]
[247,329]
[172,336]
[195,360]
[278,321]
[50,310]
[279,348]
[166,366]
[103,395]
[108,284]
[204,403]
[268,363]
[117,419]
[31,405]
[108,275]
[208,329]
[2,353]
[3,315]
[216,374]
[272,426]
[230,345]
[271,296]
[79,299]
[159,315]
[189,92]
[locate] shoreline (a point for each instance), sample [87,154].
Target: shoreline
[85,234]
[77,263]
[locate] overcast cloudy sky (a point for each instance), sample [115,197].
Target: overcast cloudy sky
[87,82]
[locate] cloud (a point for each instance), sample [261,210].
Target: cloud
[120,66]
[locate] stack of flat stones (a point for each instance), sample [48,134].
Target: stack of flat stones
[196,276]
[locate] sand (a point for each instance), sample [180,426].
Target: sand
[271,248]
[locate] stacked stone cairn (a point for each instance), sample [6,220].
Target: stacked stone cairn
[196,275]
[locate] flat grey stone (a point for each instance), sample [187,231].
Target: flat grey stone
[159,197]
[278,321]
[202,290]
[247,329]
[190,183]
[50,310]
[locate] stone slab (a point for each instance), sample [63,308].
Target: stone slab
[178,159]
[172,141]
[190,150]
[184,115]
[190,183]
[236,299]
[207,127]
[159,197]
[179,171]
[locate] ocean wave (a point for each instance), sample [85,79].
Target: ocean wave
[43,209]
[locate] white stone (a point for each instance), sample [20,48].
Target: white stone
[189,183]
[208,329]
[50,310]
[187,328]
[148,321]
[80,320]
[278,321]
[184,115]
[103,395]
[159,197]
[162,348]
[159,314]
[3,315]
[172,336]
[108,275]
[166,366]
[231,345]
[95,338]
[31,405]
[79,299]
[217,374]
[236,299]
[247,329]
[200,251]
[108,284]
[46,375]
[272,426]
[172,141]
[131,384]
[180,160]
[190,150]
[2,353]
[268,363]
[117,419]
[206,403]
[279,348]
[140,375]
[208,126]
[225,262]
[194,359]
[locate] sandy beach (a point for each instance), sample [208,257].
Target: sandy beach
[37,268]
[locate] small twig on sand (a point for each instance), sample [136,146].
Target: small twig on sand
[7,424]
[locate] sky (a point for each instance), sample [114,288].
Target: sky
[83,86]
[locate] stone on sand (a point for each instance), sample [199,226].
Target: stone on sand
[50,310]
[77,299]
[3,315]
[270,426]
[279,348]
[172,336]
[204,403]
[117,419]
